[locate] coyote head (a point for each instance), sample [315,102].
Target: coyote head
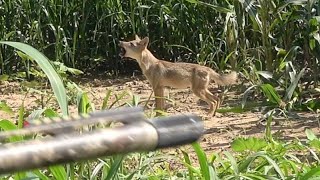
[133,49]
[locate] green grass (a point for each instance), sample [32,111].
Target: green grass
[221,34]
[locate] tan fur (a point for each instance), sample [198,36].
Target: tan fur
[163,74]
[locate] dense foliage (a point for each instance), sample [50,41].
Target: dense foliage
[242,34]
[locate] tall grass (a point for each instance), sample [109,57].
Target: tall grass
[223,33]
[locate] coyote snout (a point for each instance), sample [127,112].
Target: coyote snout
[134,48]
[163,74]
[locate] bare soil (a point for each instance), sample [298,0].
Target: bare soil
[220,130]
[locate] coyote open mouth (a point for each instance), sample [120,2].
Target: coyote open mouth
[122,52]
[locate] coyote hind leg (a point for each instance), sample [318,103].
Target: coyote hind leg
[215,99]
[212,100]
[200,85]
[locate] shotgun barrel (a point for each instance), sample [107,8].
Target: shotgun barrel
[136,136]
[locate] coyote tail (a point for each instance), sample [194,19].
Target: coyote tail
[225,79]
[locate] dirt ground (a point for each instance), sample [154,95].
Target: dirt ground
[220,130]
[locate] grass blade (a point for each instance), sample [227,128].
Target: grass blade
[114,167]
[45,65]
[5,108]
[293,85]
[312,172]
[271,93]
[202,160]
[7,125]
[233,163]
[41,175]
[58,172]
[188,161]
[246,95]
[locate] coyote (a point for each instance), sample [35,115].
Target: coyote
[161,74]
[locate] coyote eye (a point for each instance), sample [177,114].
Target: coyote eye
[131,44]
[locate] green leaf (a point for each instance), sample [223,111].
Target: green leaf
[180,46]
[114,167]
[21,116]
[291,55]
[96,170]
[312,44]
[135,100]
[74,71]
[268,133]
[249,6]
[41,175]
[316,36]
[315,143]
[188,161]
[118,97]
[265,74]
[213,6]
[293,85]
[204,166]
[5,108]
[23,56]
[246,95]
[271,93]
[20,175]
[7,125]
[235,109]
[311,105]
[217,8]
[311,173]
[45,65]
[58,172]
[310,135]
[192,1]
[251,144]
[254,176]
[245,164]
[4,77]
[274,165]
[50,113]
[233,162]
[83,103]
[280,52]
[106,99]
[36,114]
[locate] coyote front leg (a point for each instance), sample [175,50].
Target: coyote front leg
[159,98]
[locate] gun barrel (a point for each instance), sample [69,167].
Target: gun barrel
[132,137]
[69,148]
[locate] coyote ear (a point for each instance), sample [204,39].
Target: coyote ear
[137,37]
[144,42]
